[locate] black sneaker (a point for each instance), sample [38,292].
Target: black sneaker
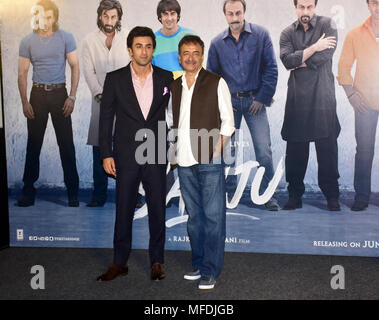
[207,284]
[193,275]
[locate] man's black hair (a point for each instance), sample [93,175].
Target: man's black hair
[140,32]
[295,2]
[168,5]
[191,39]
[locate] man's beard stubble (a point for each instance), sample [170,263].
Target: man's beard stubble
[108,28]
[305,19]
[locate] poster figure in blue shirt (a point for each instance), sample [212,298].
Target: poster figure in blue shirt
[47,49]
[244,56]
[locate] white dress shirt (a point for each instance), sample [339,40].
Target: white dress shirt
[98,60]
[185,156]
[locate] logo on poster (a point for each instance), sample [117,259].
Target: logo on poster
[20,234]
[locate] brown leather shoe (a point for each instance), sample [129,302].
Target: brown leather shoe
[157,272]
[114,271]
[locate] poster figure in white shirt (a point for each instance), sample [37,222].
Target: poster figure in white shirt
[104,50]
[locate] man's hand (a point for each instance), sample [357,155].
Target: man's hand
[109,166]
[68,107]
[325,43]
[255,107]
[28,110]
[357,103]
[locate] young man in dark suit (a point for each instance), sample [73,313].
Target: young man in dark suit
[138,96]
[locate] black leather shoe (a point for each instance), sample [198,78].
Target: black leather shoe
[73,203]
[293,204]
[113,271]
[25,202]
[359,205]
[95,203]
[157,272]
[333,205]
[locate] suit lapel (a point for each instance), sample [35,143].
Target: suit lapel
[156,94]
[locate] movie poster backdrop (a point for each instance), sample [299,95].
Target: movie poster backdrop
[250,228]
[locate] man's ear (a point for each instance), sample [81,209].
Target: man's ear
[130,51]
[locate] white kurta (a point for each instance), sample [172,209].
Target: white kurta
[98,60]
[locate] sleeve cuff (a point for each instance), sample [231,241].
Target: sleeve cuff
[227,131]
[264,98]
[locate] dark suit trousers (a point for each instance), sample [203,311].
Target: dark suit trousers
[153,178]
[297,156]
[45,103]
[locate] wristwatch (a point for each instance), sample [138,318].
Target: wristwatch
[72,98]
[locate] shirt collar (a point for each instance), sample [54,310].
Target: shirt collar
[312,22]
[134,74]
[367,23]
[103,37]
[160,33]
[184,81]
[246,28]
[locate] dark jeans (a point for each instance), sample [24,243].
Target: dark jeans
[100,178]
[43,103]
[203,190]
[297,156]
[365,134]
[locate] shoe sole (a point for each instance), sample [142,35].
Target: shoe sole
[192,278]
[100,279]
[334,209]
[24,205]
[206,287]
[272,209]
[290,209]
[157,279]
[358,209]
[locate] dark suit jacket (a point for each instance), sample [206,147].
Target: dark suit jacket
[120,100]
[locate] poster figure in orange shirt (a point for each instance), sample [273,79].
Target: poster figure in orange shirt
[362,46]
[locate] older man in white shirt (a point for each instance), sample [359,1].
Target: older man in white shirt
[202,113]
[104,50]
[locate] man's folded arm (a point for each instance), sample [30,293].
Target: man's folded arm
[290,57]
[320,58]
